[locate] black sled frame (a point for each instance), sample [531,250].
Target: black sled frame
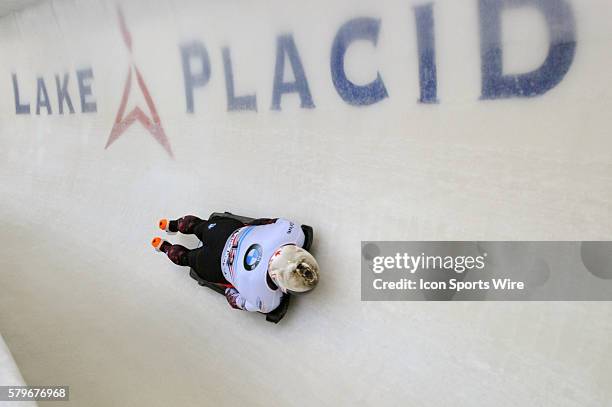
[279,312]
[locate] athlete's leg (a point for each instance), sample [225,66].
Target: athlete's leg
[200,259]
[215,232]
[186,225]
[178,254]
[206,264]
[210,231]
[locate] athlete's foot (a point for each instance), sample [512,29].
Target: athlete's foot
[170,226]
[158,243]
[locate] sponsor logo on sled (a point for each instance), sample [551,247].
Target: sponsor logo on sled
[253,257]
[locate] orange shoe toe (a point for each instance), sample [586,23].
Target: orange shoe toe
[156,242]
[163,224]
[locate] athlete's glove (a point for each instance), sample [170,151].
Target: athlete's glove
[234,299]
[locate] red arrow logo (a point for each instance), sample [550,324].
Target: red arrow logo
[122,122]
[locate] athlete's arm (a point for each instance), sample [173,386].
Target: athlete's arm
[236,301]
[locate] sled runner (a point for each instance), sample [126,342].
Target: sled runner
[279,312]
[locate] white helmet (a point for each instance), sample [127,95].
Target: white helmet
[293,269]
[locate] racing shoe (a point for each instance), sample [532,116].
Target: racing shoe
[170,226]
[157,243]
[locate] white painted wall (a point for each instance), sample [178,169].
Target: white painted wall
[85,302]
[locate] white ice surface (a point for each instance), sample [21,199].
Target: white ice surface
[85,302]
[10,375]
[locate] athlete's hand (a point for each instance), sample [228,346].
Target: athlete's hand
[233,298]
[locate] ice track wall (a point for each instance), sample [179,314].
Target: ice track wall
[369,120]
